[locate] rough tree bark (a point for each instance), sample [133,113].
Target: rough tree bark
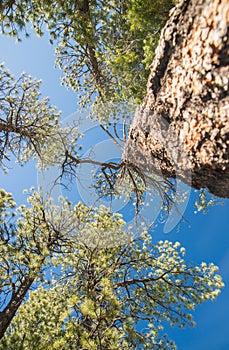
[182,127]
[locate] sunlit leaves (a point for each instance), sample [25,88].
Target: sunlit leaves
[29,126]
[96,295]
[27,122]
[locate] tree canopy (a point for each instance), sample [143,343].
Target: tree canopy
[95,285]
[104,48]
[27,122]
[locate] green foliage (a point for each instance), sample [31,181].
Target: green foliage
[104,48]
[28,236]
[97,291]
[29,126]
[27,122]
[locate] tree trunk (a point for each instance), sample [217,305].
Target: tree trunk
[10,310]
[182,127]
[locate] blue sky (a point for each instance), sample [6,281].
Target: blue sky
[204,236]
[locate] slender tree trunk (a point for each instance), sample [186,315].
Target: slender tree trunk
[10,310]
[182,127]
